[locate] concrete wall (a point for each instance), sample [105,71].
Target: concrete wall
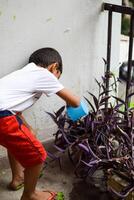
[124,48]
[76,28]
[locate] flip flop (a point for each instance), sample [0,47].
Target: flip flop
[18,187]
[41,174]
[55,196]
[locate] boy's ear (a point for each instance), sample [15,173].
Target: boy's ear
[53,67]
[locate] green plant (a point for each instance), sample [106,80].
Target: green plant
[125,25]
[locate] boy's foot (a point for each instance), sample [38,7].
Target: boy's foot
[16,184]
[40,195]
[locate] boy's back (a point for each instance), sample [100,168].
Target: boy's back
[20,89]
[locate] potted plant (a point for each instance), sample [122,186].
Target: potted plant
[102,140]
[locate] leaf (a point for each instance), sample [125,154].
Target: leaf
[65,137]
[59,149]
[91,151]
[58,113]
[83,147]
[51,155]
[52,116]
[104,61]
[90,104]
[124,134]
[104,92]
[103,86]
[114,85]
[121,112]
[99,84]
[130,95]
[87,164]
[95,100]
[117,106]
[94,162]
[118,99]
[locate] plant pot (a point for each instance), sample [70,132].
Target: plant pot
[117,182]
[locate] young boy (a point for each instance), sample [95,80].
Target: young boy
[18,91]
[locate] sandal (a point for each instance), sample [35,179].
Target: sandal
[13,188]
[41,174]
[21,185]
[55,196]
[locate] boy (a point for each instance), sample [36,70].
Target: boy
[18,91]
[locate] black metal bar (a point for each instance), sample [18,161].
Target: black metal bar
[129,71]
[118,9]
[109,38]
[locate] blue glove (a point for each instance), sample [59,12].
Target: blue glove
[76,113]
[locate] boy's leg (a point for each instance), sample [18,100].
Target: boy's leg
[30,180]
[25,147]
[16,167]
[17,173]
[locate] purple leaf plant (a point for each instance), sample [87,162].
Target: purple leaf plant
[101,140]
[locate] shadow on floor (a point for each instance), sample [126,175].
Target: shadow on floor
[83,191]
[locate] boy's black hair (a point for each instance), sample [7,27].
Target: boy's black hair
[45,57]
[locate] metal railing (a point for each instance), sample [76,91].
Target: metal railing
[122,10]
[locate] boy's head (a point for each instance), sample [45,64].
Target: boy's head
[48,58]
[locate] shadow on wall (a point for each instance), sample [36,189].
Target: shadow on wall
[85,191]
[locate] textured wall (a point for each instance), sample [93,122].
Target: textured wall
[76,28]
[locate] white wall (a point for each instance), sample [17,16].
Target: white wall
[124,48]
[76,28]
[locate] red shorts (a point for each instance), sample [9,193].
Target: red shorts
[20,142]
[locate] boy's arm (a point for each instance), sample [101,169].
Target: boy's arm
[69,97]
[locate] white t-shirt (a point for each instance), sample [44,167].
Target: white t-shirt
[20,89]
